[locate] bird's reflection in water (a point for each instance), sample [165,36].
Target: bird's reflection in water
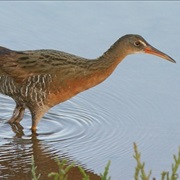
[15,161]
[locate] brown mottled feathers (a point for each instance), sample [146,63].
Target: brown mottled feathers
[21,64]
[40,79]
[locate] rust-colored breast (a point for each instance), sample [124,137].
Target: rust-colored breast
[68,88]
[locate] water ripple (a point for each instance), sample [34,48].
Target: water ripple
[84,127]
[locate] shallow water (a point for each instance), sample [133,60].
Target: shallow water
[138,103]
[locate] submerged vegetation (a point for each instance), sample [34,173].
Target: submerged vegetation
[140,173]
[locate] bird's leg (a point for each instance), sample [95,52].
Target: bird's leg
[36,117]
[17,114]
[20,115]
[37,113]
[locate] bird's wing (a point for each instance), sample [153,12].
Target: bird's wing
[21,64]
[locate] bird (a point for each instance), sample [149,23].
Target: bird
[40,79]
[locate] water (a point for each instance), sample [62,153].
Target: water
[138,103]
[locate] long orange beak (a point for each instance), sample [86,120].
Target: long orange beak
[151,50]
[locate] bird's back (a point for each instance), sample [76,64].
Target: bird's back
[22,64]
[30,76]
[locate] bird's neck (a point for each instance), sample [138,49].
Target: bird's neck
[106,64]
[89,74]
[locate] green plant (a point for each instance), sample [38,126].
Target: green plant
[104,176]
[139,169]
[174,176]
[140,173]
[64,168]
[82,171]
[33,170]
[165,175]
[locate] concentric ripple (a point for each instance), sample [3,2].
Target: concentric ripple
[89,129]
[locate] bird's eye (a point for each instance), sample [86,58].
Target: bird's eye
[137,43]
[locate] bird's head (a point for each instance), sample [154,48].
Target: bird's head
[137,44]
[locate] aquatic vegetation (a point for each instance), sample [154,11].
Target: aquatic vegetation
[139,169]
[64,168]
[140,173]
[104,176]
[82,171]
[165,175]
[33,170]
